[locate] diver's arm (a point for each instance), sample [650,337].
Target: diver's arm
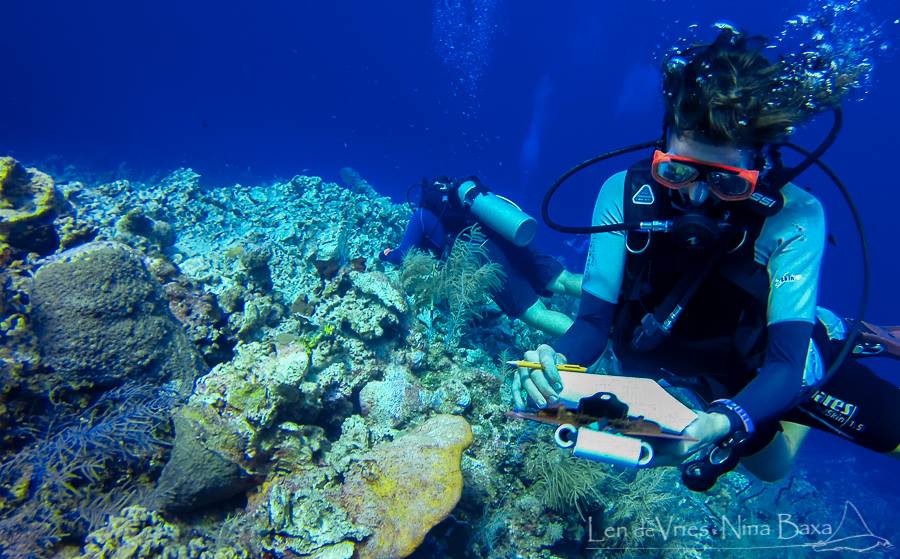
[791,245]
[416,236]
[585,340]
[774,390]
[762,402]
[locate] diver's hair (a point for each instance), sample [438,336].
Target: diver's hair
[729,92]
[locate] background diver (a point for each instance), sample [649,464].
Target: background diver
[448,206]
[726,301]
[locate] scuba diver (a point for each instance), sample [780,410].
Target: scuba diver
[703,270]
[448,206]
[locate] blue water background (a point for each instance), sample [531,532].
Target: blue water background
[247,92]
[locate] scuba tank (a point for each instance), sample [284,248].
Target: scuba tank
[500,214]
[466,200]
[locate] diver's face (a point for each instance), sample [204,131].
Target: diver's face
[688,145]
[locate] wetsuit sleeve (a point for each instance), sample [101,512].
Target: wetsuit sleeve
[780,380]
[586,339]
[605,264]
[423,227]
[791,245]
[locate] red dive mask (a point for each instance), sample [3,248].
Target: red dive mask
[727,183]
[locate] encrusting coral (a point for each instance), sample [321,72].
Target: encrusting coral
[138,533]
[29,202]
[403,488]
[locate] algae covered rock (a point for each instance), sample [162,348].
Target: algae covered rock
[401,489]
[136,224]
[231,424]
[378,286]
[200,316]
[101,318]
[394,400]
[258,389]
[28,204]
[374,308]
[199,472]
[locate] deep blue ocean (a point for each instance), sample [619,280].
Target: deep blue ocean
[514,91]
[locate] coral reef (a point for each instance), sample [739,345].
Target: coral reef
[29,202]
[196,474]
[314,432]
[222,434]
[459,285]
[370,307]
[137,225]
[138,533]
[392,493]
[394,400]
[300,515]
[199,314]
[54,486]
[101,319]
[403,488]
[19,355]
[288,218]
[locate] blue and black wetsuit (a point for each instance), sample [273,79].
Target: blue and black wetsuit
[796,348]
[527,271]
[424,231]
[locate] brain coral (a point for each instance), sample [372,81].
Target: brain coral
[100,318]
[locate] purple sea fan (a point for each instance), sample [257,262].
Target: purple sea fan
[74,462]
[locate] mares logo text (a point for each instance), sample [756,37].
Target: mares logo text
[838,410]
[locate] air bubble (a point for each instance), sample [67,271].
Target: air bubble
[727,26]
[676,63]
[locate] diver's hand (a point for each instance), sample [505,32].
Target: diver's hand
[541,386]
[708,429]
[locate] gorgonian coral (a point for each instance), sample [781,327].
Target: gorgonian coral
[53,487]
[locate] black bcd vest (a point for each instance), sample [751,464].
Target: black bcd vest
[722,327]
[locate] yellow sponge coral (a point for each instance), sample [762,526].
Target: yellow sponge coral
[401,489]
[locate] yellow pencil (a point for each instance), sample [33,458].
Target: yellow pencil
[568,367]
